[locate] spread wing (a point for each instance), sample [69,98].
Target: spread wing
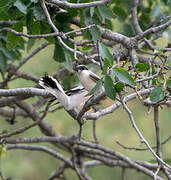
[94,77]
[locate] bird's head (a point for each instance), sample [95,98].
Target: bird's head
[80,68]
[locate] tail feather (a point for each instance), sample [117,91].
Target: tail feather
[73,98]
[52,85]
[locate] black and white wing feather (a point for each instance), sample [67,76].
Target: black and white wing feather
[52,85]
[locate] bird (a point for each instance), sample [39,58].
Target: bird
[72,99]
[87,78]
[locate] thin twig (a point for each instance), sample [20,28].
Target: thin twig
[143,140]
[79,30]
[142,149]
[18,131]
[59,172]
[157,128]
[94,132]
[157,171]
[123,175]
[99,56]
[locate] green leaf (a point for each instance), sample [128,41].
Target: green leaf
[109,87]
[58,55]
[3,16]
[3,3]
[168,83]
[68,60]
[66,82]
[91,11]
[12,39]
[157,94]
[3,63]
[142,67]
[36,27]
[38,13]
[87,18]
[96,34]
[124,76]
[128,30]
[105,12]
[120,12]
[119,86]
[105,53]
[46,29]
[3,150]
[21,6]
[156,12]
[29,21]
[95,88]
[30,44]
[158,51]
[106,64]
[168,62]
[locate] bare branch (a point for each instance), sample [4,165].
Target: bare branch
[59,38]
[143,140]
[153,30]
[41,148]
[88,104]
[59,172]
[116,37]
[66,4]
[25,92]
[46,35]
[137,27]
[42,46]
[142,149]
[18,131]
[156,122]
[106,151]
[28,35]
[7,23]
[113,107]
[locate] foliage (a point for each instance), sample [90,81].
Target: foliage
[129,61]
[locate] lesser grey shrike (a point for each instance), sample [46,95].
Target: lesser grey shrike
[74,98]
[87,78]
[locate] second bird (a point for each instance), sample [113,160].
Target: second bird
[87,78]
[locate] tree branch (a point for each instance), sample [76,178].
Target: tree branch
[65,4]
[43,149]
[143,140]
[153,30]
[113,107]
[25,92]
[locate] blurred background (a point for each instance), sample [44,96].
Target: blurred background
[22,165]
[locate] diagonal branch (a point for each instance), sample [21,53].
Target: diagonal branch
[116,105]
[152,30]
[66,38]
[137,27]
[156,122]
[143,140]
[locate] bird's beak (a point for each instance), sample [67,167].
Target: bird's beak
[77,69]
